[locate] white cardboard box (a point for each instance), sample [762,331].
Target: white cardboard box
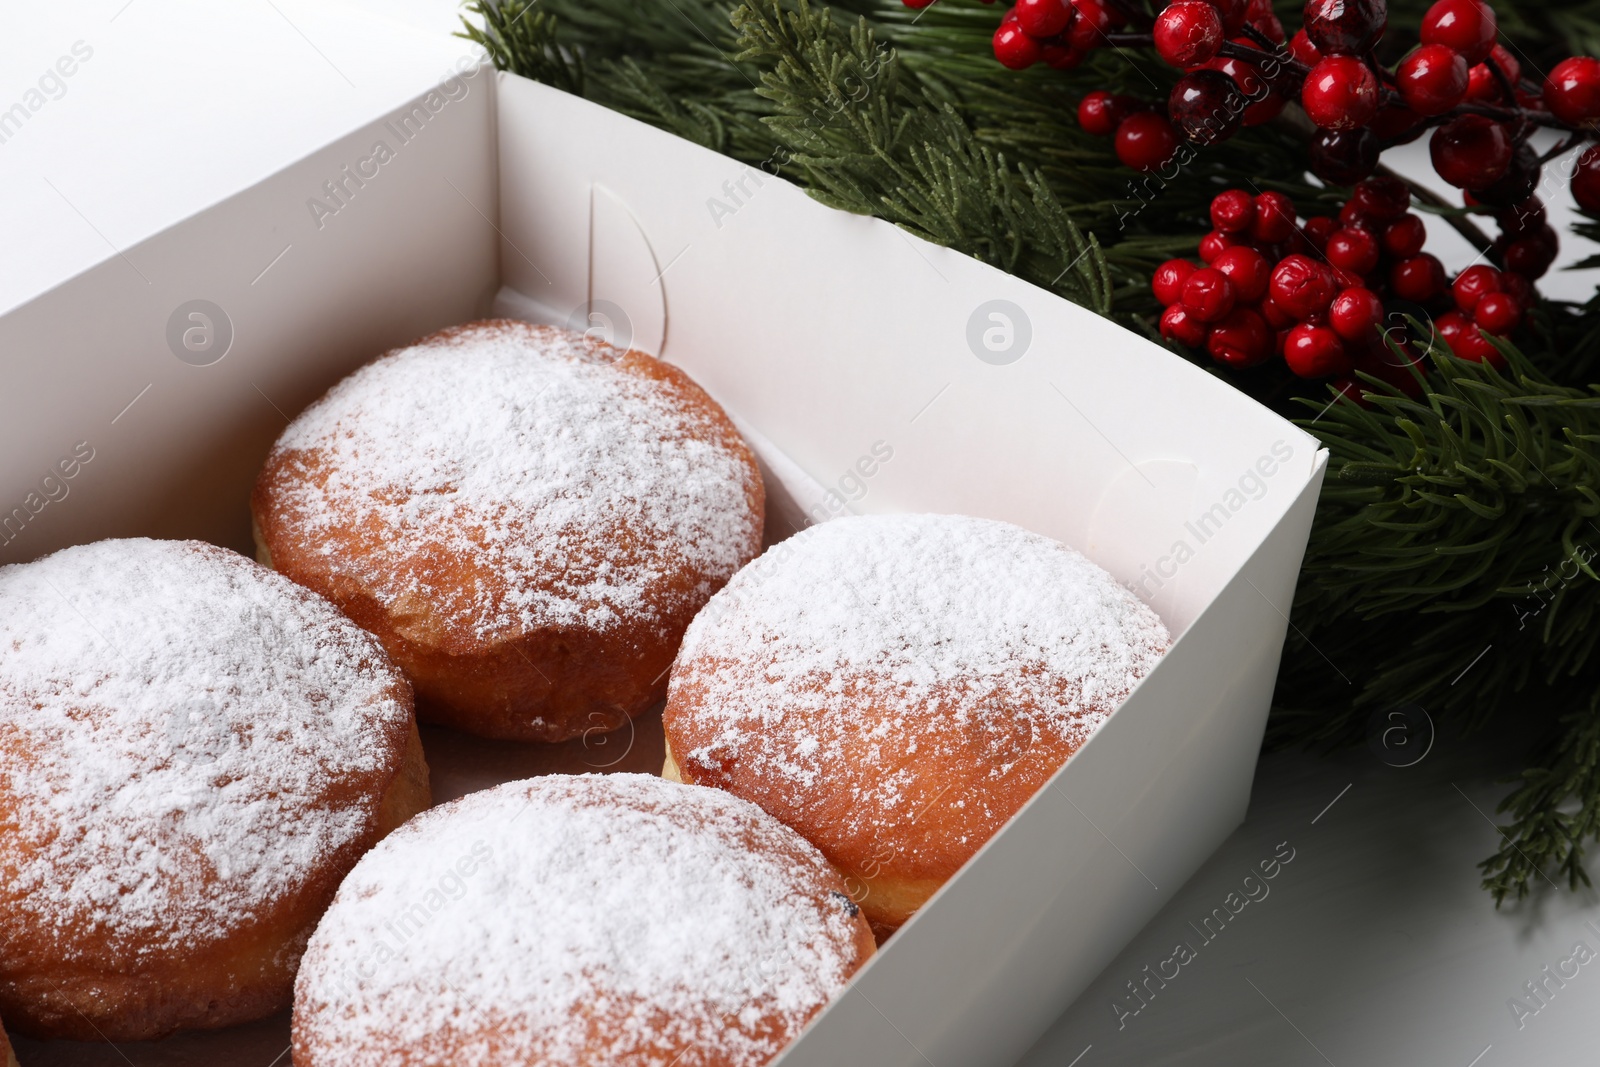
[825,335]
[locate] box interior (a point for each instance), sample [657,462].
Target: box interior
[826,336]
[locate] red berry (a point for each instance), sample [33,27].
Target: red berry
[1418,279]
[1586,180]
[1208,294]
[1318,229]
[1383,198]
[1303,50]
[1089,28]
[1472,284]
[1471,151]
[1233,12]
[1100,112]
[1523,219]
[1059,56]
[1532,256]
[1353,250]
[1517,183]
[1506,62]
[1241,340]
[1214,244]
[1014,48]
[1274,221]
[1482,84]
[1433,79]
[1264,109]
[1302,286]
[1405,237]
[1520,288]
[1462,335]
[1352,216]
[1276,317]
[1188,33]
[1248,270]
[1355,314]
[1264,104]
[1178,325]
[1206,106]
[1467,26]
[1351,389]
[1450,326]
[1167,282]
[1233,211]
[1498,313]
[1315,352]
[1145,140]
[1043,18]
[1345,27]
[1343,157]
[1572,92]
[1259,14]
[1340,93]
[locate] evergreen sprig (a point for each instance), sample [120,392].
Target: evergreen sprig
[1457,539]
[866,138]
[1545,835]
[523,42]
[1443,516]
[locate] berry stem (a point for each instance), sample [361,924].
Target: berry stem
[1565,145]
[1507,90]
[1267,43]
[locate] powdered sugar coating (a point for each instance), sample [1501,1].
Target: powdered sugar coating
[881,683]
[577,920]
[586,491]
[186,737]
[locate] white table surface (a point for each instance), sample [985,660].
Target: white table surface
[1374,944]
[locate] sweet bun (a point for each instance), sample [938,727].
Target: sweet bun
[193,752]
[895,688]
[526,517]
[575,921]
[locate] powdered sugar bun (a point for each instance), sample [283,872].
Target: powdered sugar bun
[572,921]
[895,688]
[526,517]
[193,752]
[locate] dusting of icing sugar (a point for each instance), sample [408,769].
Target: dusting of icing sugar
[862,651]
[563,920]
[180,729]
[587,487]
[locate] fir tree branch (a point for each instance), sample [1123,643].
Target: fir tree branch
[516,40]
[1544,836]
[866,138]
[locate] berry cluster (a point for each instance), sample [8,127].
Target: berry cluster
[1318,292]
[1241,70]
[1231,50]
